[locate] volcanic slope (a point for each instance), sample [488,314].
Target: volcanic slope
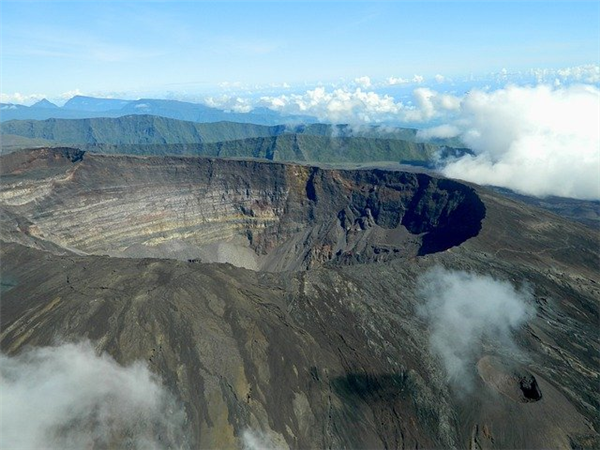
[333,356]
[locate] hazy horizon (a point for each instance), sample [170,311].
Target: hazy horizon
[193,50]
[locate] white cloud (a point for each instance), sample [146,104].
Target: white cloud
[441,131]
[464,310]
[589,73]
[344,105]
[30,99]
[70,94]
[431,104]
[399,81]
[68,397]
[363,82]
[439,78]
[396,81]
[339,105]
[230,103]
[21,99]
[536,140]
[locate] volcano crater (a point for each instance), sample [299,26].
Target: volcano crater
[259,215]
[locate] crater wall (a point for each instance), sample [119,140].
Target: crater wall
[254,214]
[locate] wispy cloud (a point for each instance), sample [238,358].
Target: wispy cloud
[464,310]
[338,105]
[399,81]
[21,99]
[363,82]
[71,398]
[258,440]
[227,103]
[73,45]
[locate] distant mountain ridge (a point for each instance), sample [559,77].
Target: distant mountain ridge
[152,135]
[291,147]
[152,129]
[134,129]
[85,103]
[83,107]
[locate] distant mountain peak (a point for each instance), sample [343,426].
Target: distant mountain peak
[84,107]
[44,103]
[95,104]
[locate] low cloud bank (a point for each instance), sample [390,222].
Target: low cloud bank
[361,106]
[67,397]
[464,310]
[540,141]
[342,105]
[535,140]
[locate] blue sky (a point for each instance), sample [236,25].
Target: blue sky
[138,47]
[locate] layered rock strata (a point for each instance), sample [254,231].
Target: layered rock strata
[253,214]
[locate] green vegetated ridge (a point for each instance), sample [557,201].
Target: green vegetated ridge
[148,129]
[288,147]
[132,130]
[154,135]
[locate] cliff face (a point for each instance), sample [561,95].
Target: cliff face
[253,214]
[338,356]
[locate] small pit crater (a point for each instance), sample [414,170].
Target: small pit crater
[514,382]
[530,389]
